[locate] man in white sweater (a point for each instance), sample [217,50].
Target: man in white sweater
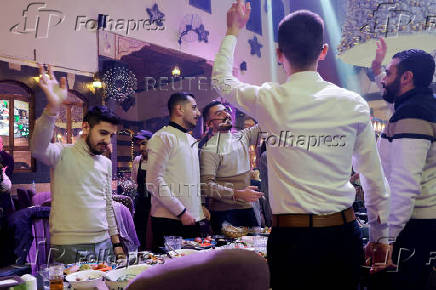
[82,221]
[173,174]
[225,170]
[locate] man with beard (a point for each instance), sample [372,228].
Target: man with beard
[143,198]
[82,221]
[173,175]
[408,153]
[225,170]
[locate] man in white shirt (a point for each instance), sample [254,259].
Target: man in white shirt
[82,220]
[173,174]
[315,131]
[143,197]
[408,153]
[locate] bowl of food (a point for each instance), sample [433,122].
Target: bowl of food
[119,279]
[85,279]
[234,232]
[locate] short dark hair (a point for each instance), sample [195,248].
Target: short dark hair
[250,118]
[419,62]
[207,108]
[300,37]
[177,99]
[99,114]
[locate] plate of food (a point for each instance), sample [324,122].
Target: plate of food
[198,243]
[151,259]
[87,266]
[182,252]
[85,279]
[119,279]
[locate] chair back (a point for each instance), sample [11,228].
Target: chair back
[213,270]
[24,199]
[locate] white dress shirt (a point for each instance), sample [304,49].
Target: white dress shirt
[315,131]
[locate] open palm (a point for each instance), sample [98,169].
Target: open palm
[56,92]
[380,52]
[238,15]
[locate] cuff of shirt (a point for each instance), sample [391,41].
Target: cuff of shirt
[394,231]
[113,231]
[379,233]
[48,115]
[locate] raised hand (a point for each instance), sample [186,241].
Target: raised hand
[237,17]
[56,92]
[380,54]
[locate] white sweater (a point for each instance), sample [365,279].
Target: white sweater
[173,174]
[81,208]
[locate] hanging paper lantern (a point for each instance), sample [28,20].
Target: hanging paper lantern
[119,83]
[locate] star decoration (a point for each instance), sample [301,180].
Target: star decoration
[202,34]
[156,16]
[243,66]
[255,47]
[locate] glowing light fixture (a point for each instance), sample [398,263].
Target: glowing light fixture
[176,71]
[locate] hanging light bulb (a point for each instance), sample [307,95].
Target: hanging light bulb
[176,71]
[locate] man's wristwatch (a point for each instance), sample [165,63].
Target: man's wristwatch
[116,245]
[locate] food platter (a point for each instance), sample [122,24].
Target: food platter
[85,279]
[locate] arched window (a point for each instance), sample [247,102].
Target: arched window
[68,125]
[16,119]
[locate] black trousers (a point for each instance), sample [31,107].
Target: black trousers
[236,217]
[418,241]
[142,211]
[415,255]
[162,227]
[315,258]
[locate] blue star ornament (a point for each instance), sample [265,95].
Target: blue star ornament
[255,47]
[156,16]
[203,34]
[243,66]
